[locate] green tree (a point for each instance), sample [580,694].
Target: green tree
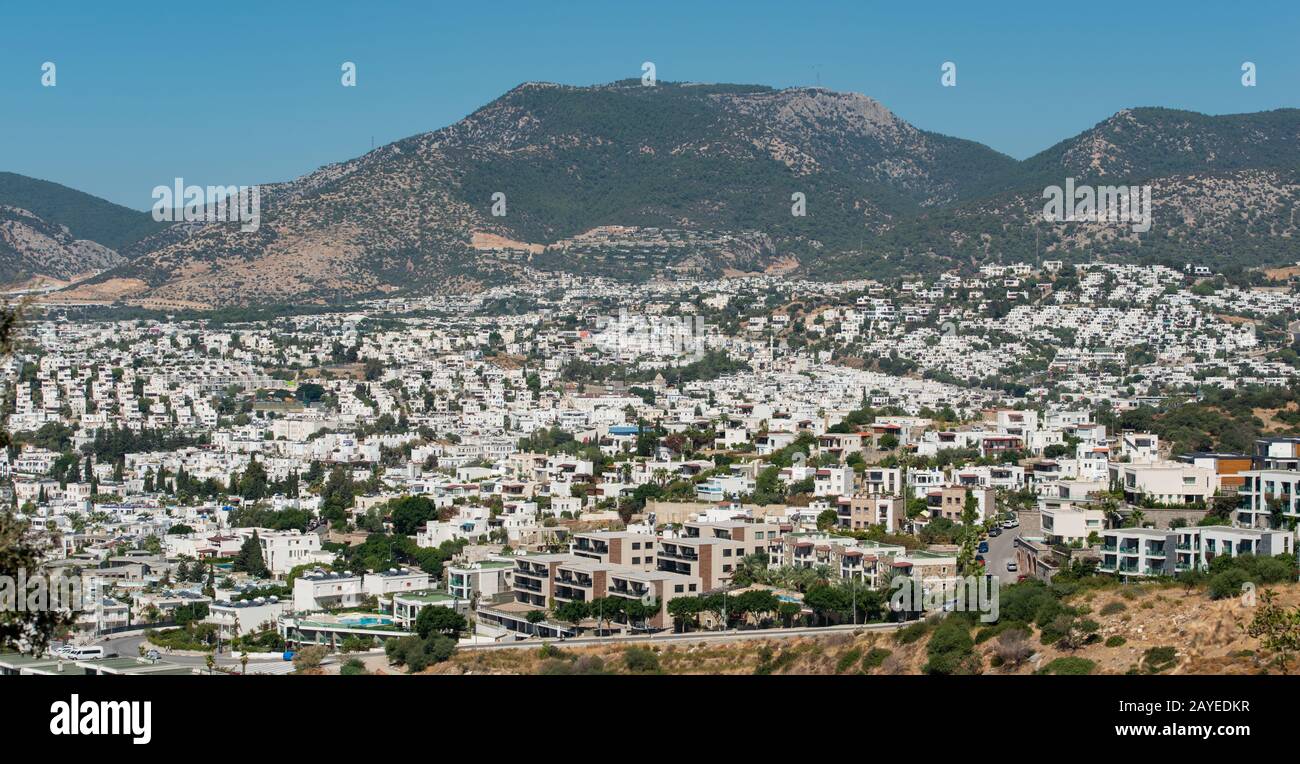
[249,560]
[440,620]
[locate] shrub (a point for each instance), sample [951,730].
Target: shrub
[309,657]
[950,637]
[418,654]
[1157,659]
[950,649]
[847,660]
[551,651]
[589,664]
[1069,665]
[909,634]
[1111,608]
[640,660]
[875,657]
[1115,641]
[353,667]
[555,667]
[1013,648]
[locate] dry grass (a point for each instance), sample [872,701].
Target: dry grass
[1205,633]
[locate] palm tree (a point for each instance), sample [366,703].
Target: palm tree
[1110,508]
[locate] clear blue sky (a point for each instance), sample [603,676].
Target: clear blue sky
[248,92]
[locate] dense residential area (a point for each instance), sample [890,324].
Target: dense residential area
[441,483]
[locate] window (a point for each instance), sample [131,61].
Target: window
[678,588]
[636,560]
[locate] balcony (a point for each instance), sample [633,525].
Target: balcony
[671,553]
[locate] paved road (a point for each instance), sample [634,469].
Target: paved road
[1001,549]
[127,647]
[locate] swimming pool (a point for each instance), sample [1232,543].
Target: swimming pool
[365,620]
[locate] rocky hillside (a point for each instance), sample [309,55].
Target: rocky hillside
[35,250]
[679,180]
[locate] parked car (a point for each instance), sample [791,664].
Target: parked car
[1011,566]
[995,531]
[984,546]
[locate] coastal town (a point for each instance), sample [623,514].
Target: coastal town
[385,485]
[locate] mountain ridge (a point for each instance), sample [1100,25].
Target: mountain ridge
[690,179]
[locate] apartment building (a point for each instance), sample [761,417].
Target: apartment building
[1066,521]
[658,586]
[1165,483]
[635,550]
[932,570]
[833,481]
[1277,454]
[532,578]
[1228,467]
[950,501]
[384,583]
[1139,447]
[1268,498]
[282,551]
[861,512]
[1136,552]
[882,480]
[867,561]
[406,606]
[245,616]
[485,579]
[580,580]
[322,591]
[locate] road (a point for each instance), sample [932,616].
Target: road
[128,647]
[1001,549]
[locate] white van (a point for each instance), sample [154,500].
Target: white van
[82,653]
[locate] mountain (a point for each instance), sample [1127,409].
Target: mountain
[37,252]
[51,233]
[679,180]
[85,216]
[1225,192]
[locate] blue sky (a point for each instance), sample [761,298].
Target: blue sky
[249,92]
